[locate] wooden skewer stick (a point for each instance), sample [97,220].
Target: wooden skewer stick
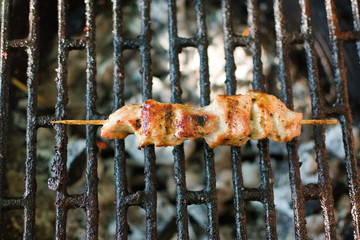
[80,122]
[320,121]
[101,122]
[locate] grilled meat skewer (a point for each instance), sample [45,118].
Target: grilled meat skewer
[228,120]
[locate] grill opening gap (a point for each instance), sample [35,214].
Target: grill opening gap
[106,196]
[312,207]
[75,224]
[105,81]
[251,172]
[136,175]
[308,164]
[12,223]
[132,75]
[131,20]
[136,221]
[292,15]
[17,124]
[227,220]
[186,19]
[216,55]
[189,60]
[47,90]
[336,152]
[160,46]
[45,198]
[18,19]
[75,20]
[197,221]
[239,13]
[315,226]
[282,193]
[342,205]
[76,80]
[344,14]
[255,220]
[195,171]
[76,163]
[244,69]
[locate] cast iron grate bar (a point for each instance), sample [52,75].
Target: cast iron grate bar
[265,193]
[120,177]
[323,188]
[146,198]
[324,180]
[88,200]
[175,46]
[208,194]
[30,45]
[338,61]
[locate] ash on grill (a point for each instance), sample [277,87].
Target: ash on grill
[189,61]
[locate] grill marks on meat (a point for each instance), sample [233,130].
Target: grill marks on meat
[229,120]
[234,115]
[162,124]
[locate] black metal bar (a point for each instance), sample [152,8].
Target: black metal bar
[179,155]
[267,183]
[236,160]
[319,131]
[181,196]
[338,62]
[120,177]
[18,43]
[210,175]
[31,46]
[31,129]
[150,200]
[74,44]
[4,106]
[263,145]
[239,198]
[297,191]
[58,183]
[282,46]
[229,47]
[174,51]
[91,178]
[254,45]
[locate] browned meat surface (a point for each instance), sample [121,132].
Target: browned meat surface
[162,124]
[271,117]
[234,117]
[229,120]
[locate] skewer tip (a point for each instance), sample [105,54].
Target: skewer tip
[319,121]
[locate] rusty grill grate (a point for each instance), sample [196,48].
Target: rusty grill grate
[147,198]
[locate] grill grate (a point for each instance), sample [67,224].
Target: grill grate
[147,198]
